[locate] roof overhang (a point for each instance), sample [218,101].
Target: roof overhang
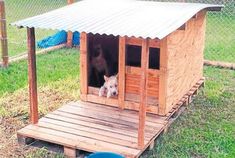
[144,19]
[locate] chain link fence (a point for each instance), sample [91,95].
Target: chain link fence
[20,9]
[220,33]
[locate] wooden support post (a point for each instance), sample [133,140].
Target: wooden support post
[143,92]
[122,71]
[70,152]
[70,33]
[32,76]
[3,34]
[163,78]
[83,66]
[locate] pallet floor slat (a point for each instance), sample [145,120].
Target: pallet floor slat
[92,125]
[106,117]
[113,110]
[75,120]
[80,142]
[88,134]
[89,129]
[84,127]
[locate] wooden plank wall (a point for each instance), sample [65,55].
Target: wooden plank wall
[185,60]
[132,78]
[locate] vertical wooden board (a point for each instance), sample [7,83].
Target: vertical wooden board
[69,39]
[3,35]
[83,65]
[121,72]
[70,33]
[69,152]
[143,92]
[185,63]
[32,76]
[163,77]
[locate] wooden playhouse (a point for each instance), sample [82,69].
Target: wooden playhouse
[167,40]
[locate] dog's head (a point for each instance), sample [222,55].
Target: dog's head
[97,50]
[111,85]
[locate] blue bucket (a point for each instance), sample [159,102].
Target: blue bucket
[105,155]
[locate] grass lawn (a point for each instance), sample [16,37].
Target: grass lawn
[17,10]
[205,129]
[220,38]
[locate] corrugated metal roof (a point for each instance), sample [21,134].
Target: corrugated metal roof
[146,19]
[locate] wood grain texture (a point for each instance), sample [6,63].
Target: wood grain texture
[3,35]
[69,152]
[94,127]
[162,95]
[133,84]
[143,93]
[32,76]
[83,65]
[185,60]
[121,71]
[154,43]
[131,101]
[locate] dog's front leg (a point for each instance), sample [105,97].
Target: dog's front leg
[109,94]
[102,91]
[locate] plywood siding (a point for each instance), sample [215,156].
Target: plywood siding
[185,59]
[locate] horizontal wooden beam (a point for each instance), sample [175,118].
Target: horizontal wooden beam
[137,71]
[154,43]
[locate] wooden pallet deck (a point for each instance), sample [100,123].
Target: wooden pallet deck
[94,127]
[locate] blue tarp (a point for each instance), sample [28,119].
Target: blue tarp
[58,38]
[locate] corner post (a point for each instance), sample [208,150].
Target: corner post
[32,76]
[163,77]
[122,71]
[3,34]
[70,33]
[84,66]
[143,92]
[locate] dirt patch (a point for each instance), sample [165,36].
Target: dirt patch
[14,116]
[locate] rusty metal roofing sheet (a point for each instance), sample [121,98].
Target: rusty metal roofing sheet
[146,19]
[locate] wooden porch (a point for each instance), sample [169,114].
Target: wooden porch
[94,127]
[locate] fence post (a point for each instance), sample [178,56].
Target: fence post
[70,33]
[3,34]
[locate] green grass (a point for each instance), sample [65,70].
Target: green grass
[220,38]
[57,65]
[17,10]
[205,129]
